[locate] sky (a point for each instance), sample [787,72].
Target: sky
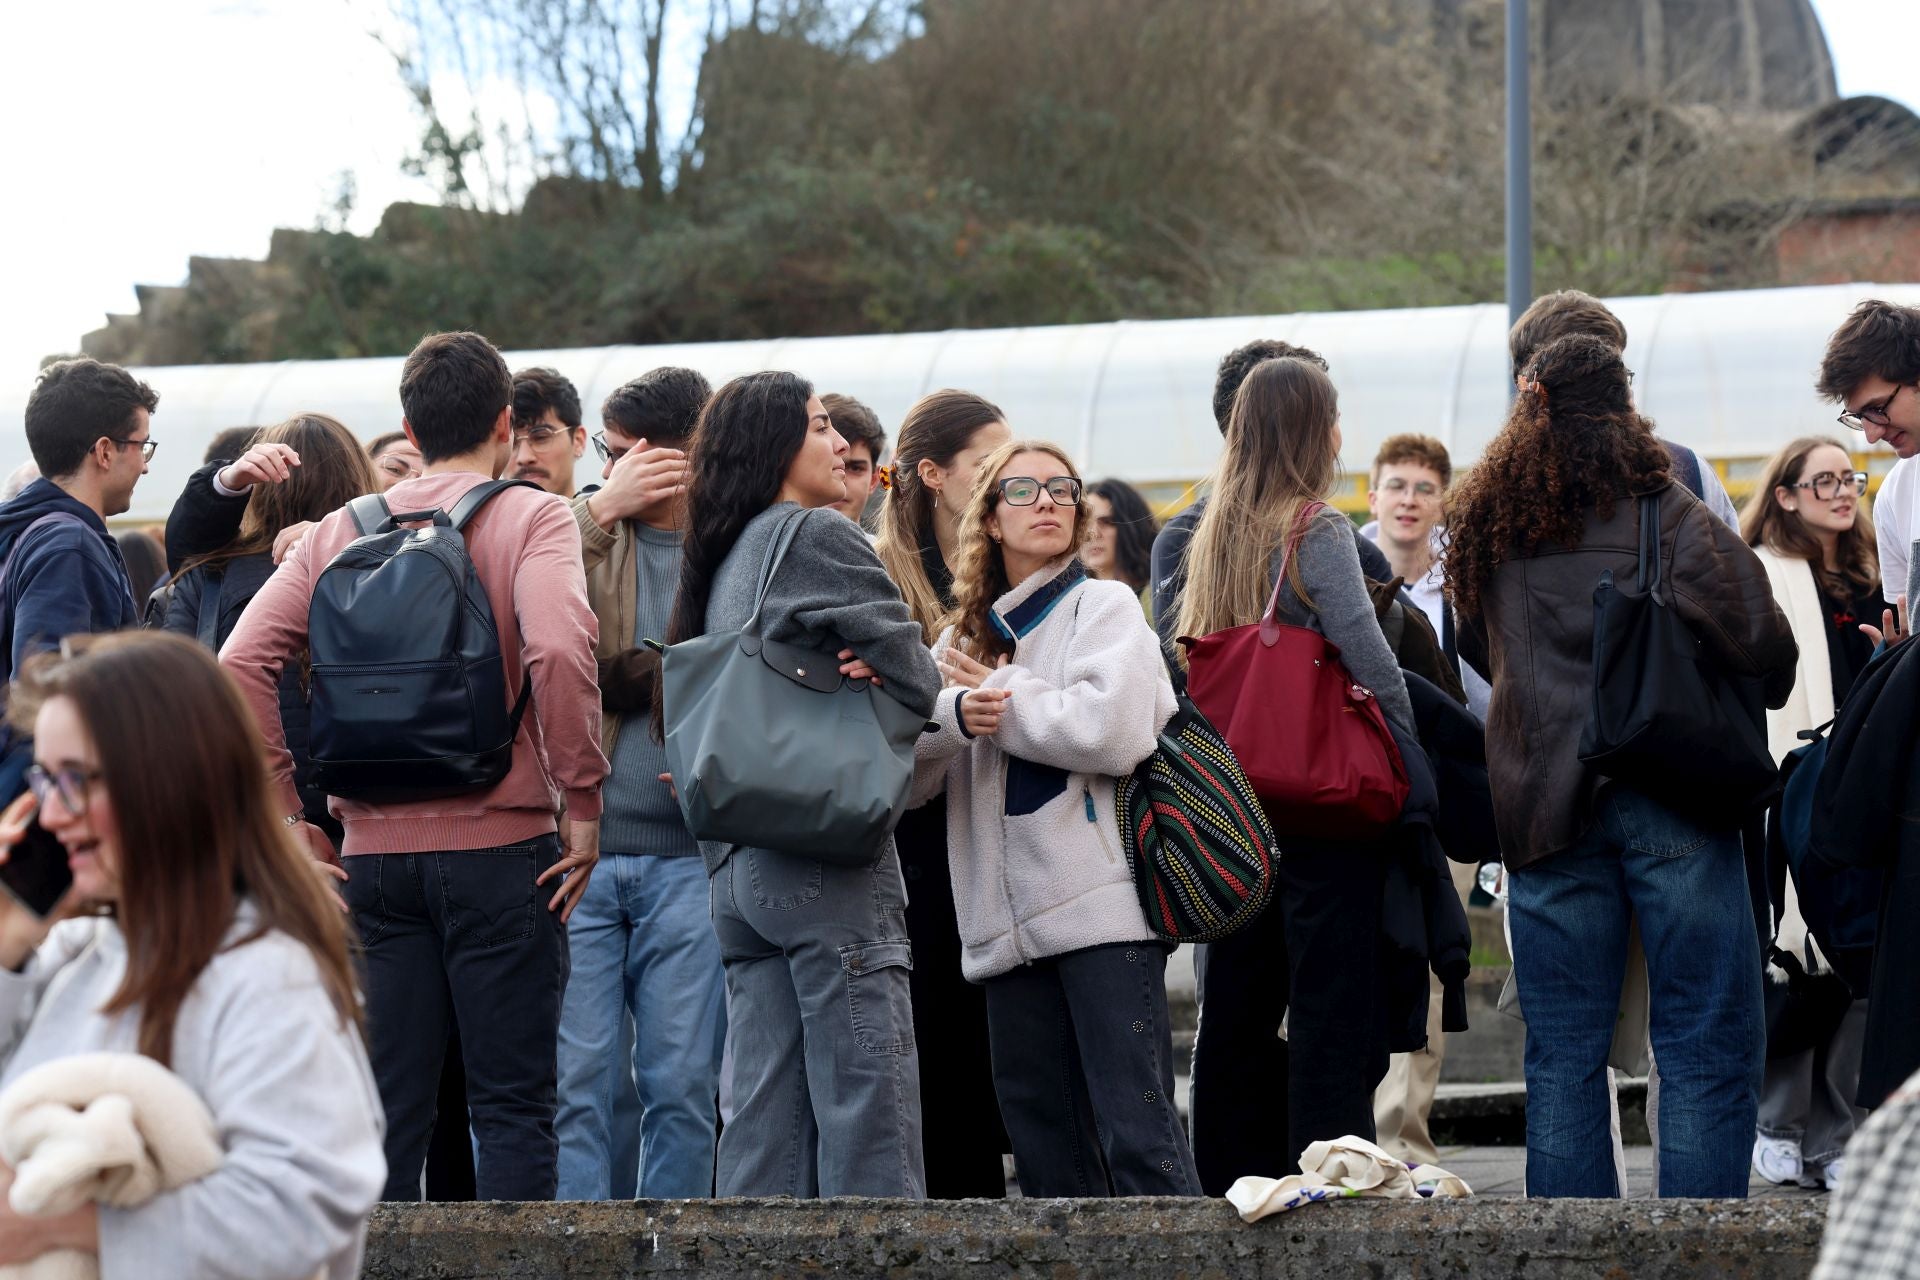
[141,133]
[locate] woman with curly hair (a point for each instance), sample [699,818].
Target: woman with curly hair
[1552,504]
[1808,525]
[1055,687]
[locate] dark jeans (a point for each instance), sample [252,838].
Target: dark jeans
[1313,958]
[1083,1065]
[468,935]
[960,1120]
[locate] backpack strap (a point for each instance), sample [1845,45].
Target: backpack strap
[770,565]
[207,627]
[370,514]
[478,497]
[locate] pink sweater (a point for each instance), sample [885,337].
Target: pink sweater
[526,549]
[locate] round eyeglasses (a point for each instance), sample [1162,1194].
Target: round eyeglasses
[1024,491]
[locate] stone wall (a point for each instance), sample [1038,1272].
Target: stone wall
[1107,1239]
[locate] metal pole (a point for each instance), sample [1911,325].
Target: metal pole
[1519,167]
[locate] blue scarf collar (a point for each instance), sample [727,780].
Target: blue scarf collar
[1029,613]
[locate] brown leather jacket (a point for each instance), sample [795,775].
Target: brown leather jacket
[1534,640]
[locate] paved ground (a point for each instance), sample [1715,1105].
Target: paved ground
[1501,1172]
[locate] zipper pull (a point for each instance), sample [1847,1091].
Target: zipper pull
[1088,793]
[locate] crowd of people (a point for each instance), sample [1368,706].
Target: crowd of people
[397,960]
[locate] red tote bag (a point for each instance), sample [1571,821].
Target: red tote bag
[1312,740]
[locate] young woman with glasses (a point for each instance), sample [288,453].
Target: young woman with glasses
[825,1080]
[1055,687]
[196,934]
[1806,524]
[395,458]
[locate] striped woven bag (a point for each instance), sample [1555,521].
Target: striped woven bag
[1196,837]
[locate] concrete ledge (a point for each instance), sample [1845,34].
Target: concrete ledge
[1108,1239]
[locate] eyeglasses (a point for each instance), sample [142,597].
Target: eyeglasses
[539,437]
[399,468]
[1826,486]
[1421,488]
[1024,491]
[73,785]
[146,447]
[1874,413]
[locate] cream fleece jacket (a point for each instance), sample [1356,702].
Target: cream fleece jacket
[1032,837]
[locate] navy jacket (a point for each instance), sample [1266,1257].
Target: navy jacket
[65,579]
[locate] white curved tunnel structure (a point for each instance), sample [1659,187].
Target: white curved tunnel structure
[1729,373]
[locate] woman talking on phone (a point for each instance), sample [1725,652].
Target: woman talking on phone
[197,934]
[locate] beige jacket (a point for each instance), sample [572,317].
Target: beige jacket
[613,590]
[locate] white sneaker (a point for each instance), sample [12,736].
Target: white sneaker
[1832,1172]
[1777,1159]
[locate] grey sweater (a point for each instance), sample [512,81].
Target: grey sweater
[292,1099]
[1342,611]
[830,593]
[640,815]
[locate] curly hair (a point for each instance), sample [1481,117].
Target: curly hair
[979,569]
[1571,443]
[1239,362]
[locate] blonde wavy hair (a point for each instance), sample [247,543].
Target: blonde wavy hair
[1280,455]
[979,569]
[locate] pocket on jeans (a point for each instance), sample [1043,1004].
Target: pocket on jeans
[491,898]
[362,894]
[1647,826]
[880,995]
[782,882]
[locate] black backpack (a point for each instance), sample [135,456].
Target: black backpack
[409,693]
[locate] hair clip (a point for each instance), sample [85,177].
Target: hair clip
[886,477]
[1538,388]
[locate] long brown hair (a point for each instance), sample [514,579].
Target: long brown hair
[1572,443]
[181,761]
[1765,523]
[979,568]
[333,471]
[1280,455]
[937,429]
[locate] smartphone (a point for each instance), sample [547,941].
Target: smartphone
[36,871]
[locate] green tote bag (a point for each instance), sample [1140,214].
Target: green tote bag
[771,746]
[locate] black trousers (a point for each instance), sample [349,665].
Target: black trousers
[1313,957]
[1083,1065]
[465,933]
[961,1132]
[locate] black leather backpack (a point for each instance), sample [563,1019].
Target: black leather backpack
[409,693]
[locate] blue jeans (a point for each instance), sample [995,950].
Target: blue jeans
[1570,914]
[641,941]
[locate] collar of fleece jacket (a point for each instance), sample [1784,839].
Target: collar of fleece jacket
[1026,606]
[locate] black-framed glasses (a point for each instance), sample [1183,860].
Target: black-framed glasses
[1827,486]
[146,447]
[1874,413]
[600,446]
[73,785]
[1024,491]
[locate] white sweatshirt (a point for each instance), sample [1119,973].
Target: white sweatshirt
[1032,837]
[292,1098]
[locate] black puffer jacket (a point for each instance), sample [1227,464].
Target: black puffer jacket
[237,582]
